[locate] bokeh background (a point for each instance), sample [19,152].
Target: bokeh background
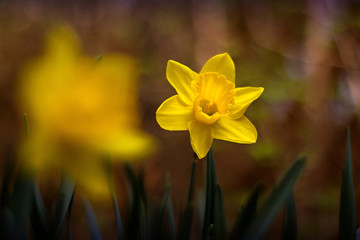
[306,54]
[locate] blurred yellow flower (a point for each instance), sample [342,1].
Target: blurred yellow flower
[80,110]
[208,104]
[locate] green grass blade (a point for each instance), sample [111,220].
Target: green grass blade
[109,173]
[67,188]
[98,59]
[157,213]
[186,222]
[14,216]
[39,217]
[164,204]
[275,201]
[91,219]
[290,225]
[134,201]
[7,223]
[119,225]
[155,220]
[210,231]
[246,215]
[137,223]
[219,215]
[171,219]
[143,231]
[21,202]
[165,197]
[68,234]
[141,188]
[347,220]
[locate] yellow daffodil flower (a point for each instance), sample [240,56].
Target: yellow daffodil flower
[208,104]
[80,110]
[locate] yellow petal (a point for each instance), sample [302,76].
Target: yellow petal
[174,115]
[222,64]
[36,151]
[60,41]
[243,98]
[128,145]
[235,130]
[92,178]
[201,136]
[180,78]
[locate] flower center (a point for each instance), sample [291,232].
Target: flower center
[208,107]
[213,94]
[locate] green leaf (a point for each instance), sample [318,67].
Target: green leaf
[186,222]
[119,225]
[68,234]
[7,223]
[143,231]
[7,220]
[210,230]
[171,220]
[137,215]
[347,220]
[21,202]
[219,215]
[211,181]
[109,173]
[134,201]
[246,216]
[15,208]
[157,214]
[187,216]
[165,197]
[7,175]
[98,59]
[91,219]
[39,217]
[67,188]
[41,226]
[290,225]
[275,201]
[155,220]
[141,188]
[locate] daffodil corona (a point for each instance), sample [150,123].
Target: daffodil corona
[208,104]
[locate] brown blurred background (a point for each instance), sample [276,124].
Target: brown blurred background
[304,53]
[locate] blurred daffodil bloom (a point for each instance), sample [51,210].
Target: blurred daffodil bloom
[80,110]
[208,104]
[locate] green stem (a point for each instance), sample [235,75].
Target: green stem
[192,181]
[211,181]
